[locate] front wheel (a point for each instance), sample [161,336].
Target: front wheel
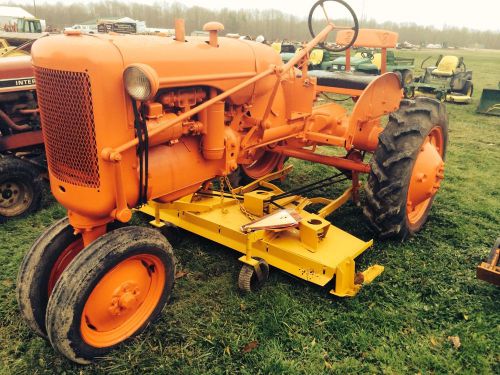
[110,292]
[407,168]
[40,269]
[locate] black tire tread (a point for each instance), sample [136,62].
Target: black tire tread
[247,279]
[29,275]
[392,163]
[77,279]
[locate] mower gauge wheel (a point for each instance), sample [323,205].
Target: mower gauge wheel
[355,28]
[248,279]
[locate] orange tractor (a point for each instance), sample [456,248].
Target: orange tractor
[137,121]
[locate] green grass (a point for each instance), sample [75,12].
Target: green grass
[398,324]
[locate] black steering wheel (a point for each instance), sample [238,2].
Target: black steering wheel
[355,28]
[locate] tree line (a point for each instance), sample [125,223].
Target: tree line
[273,24]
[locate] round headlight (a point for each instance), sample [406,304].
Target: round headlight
[141,81]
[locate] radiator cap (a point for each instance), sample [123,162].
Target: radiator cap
[72,32]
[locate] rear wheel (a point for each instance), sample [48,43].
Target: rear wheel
[110,292]
[407,168]
[249,280]
[20,188]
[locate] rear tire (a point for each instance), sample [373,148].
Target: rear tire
[407,136]
[20,188]
[110,292]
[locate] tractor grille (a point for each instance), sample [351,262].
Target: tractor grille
[65,102]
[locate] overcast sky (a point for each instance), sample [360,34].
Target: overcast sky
[477,14]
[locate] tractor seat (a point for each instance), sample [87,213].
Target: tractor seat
[447,67]
[342,80]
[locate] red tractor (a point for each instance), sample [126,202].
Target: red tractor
[22,159]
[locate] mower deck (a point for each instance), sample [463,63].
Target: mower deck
[313,249]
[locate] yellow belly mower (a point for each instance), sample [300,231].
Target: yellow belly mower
[280,233]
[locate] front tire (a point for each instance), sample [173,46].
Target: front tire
[40,269]
[110,292]
[407,168]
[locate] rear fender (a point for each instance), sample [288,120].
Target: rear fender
[381,97]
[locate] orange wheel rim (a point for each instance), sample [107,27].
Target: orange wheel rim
[63,261]
[123,300]
[427,174]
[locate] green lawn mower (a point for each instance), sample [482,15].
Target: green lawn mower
[319,59]
[449,80]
